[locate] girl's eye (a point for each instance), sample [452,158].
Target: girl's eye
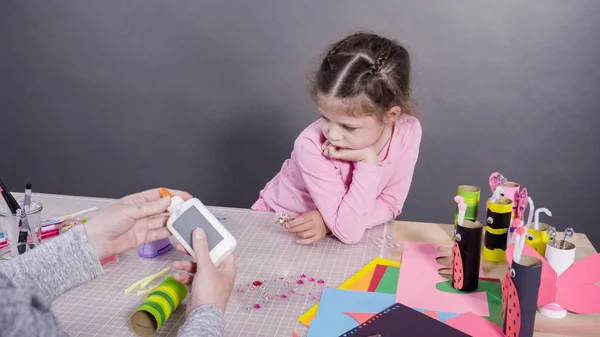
[324,118]
[349,128]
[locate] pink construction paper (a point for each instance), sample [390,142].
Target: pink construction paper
[418,279]
[475,326]
[577,290]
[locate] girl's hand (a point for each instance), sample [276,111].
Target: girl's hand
[366,155]
[310,227]
[130,222]
[208,284]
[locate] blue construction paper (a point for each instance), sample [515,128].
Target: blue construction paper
[331,320]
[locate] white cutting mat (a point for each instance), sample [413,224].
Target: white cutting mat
[265,253]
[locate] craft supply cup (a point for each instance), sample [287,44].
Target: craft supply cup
[560,260]
[10,224]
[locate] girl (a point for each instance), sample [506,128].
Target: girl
[352,168]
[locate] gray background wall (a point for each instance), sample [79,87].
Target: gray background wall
[208,96]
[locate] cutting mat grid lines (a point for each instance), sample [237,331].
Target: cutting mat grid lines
[266,253]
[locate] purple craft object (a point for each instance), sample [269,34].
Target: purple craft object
[155,248]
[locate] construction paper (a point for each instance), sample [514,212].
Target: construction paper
[431,314]
[332,320]
[475,326]
[377,276]
[357,281]
[361,317]
[389,282]
[492,287]
[399,319]
[520,295]
[419,277]
[577,290]
[362,284]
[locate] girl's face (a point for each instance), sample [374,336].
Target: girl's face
[350,132]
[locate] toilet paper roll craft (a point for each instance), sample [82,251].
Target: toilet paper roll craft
[537,237]
[498,219]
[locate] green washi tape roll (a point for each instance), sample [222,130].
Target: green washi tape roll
[150,316]
[471,195]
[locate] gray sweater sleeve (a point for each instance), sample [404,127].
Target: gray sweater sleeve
[30,282]
[203,321]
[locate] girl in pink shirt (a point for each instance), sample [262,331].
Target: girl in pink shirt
[352,168]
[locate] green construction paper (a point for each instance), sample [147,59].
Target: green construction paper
[494,295]
[389,281]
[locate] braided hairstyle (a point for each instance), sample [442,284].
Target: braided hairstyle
[367,71]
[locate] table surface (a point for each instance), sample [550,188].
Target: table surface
[572,325]
[71,307]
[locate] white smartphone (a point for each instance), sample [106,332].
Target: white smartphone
[193,214]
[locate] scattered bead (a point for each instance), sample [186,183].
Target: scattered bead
[257,306]
[320,281]
[283,296]
[300,282]
[257,283]
[312,279]
[302,275]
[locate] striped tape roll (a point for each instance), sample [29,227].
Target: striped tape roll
[471,196]
[150,316]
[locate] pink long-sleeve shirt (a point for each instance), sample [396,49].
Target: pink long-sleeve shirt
[351,196]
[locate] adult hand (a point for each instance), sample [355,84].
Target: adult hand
[366,155]
[309,227]
[209,284]
[130,222]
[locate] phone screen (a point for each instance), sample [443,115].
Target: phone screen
[192,219]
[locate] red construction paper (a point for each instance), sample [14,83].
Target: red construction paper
[377,276]
[361,317]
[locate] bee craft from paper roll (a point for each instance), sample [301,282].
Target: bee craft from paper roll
[537,235]
[520,289]
[466,256]
[498,220]
[470,196]
[150,316]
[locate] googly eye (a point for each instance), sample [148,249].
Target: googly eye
[457,237]
[530,237]
[512,272]
[490,220]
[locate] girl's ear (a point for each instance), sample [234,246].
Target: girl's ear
[392,114]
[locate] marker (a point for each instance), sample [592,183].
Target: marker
[10,197]
[22,245]
[27,198]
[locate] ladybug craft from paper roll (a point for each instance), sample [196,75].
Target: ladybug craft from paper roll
[575,289]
